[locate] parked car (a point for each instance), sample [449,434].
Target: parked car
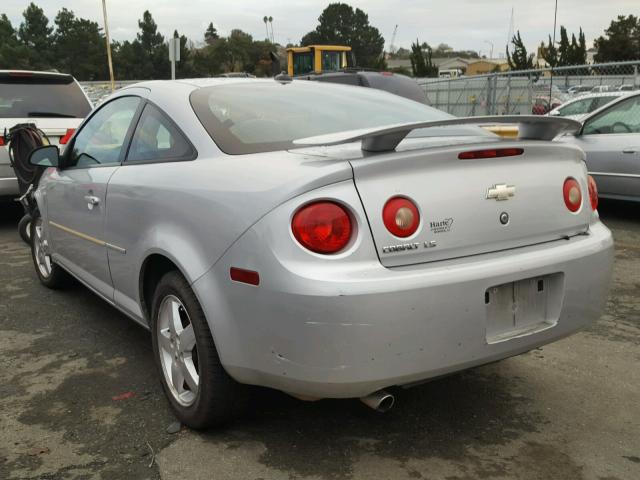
[601,89]
[541,105]
[626,88]
[579,89]
[327,252]
[610,137]
[580,107]
[388,81]
[54,102]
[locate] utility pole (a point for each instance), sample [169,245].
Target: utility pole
[106,34]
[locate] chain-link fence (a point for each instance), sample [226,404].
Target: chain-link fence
[97,91]
[529,91]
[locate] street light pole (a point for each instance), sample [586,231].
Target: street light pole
[106,34]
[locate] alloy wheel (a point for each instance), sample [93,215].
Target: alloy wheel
[177,350]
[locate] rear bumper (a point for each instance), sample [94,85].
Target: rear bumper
[346,334]
[9,188]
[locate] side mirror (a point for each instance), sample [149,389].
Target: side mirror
[46,156]
[554,113]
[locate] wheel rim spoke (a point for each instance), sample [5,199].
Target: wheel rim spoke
[177,376]
[189,374]
[187,339]
[164,340]
[176,349]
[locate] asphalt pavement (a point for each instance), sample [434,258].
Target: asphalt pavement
[80,399]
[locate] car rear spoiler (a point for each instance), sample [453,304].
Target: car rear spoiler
[385,139]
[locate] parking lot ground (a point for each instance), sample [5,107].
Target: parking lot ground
[80,398]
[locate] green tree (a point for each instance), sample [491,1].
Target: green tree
[520,60]
[564,49]
[549,53]
[12,53]
[155,61]
[35,34]
[210,34]
[421,60]
[621,41]
[79,47]
[340,24]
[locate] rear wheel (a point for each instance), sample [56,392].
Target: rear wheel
[201,393]
[50,275]
[24,228]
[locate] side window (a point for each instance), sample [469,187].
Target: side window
[157,139]
[101,139]
[624,117]
[578,107]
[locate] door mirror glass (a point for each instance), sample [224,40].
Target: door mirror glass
[47,156]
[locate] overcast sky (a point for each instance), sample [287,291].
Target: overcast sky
[463,24]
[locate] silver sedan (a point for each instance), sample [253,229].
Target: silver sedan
[325,240]
[610,137]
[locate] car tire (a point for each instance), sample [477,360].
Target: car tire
[182,345]
[24,228]
[51,275]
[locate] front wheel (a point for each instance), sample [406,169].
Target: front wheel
[201,393]
[50,275]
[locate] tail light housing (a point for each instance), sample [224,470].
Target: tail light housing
[572,194]
[401,217]
[322,227]
[593,193]
[67,136]
[2,141]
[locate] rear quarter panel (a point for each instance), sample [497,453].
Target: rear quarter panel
[193,211]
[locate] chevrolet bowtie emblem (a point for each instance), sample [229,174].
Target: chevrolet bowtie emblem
[501,192]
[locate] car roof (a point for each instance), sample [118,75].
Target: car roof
[34,74]
[613,93]
[621,98]
[203,82]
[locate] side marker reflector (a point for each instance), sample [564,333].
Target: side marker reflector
[244,276]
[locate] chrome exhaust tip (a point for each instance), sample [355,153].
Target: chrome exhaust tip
[380,401]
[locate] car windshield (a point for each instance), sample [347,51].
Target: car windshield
[25,96]
[267,116]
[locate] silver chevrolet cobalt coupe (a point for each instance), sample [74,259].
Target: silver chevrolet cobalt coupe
[327,241]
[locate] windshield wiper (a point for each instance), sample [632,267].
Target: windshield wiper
[50,114]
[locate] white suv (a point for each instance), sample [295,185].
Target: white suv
[54,102]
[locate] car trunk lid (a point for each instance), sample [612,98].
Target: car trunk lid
[461,202]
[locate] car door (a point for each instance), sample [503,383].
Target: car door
[139,199]
[611,140]
[77,193]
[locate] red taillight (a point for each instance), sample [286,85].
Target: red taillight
[593,193]
[244,276]
[401,217]
[572,194]
[67,136]
[491,153]
[1,141]
[322,227]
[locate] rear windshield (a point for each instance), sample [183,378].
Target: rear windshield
[267,116]
[34,96]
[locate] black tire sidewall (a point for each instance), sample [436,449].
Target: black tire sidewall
[24,228]
[216,390]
